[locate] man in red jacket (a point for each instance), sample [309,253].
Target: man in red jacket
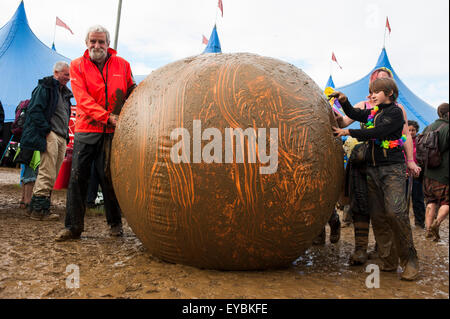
[101,82]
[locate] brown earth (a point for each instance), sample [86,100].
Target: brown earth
[33,265]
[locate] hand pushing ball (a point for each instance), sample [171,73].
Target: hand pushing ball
[227,162]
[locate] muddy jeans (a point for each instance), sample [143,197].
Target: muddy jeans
[51,161]
[389,213]
[83,157]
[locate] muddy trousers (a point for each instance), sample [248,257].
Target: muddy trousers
[51,161]
[83,157]
[358,205]
[389,214]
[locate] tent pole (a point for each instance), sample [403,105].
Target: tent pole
[331,67]
[119,12]
[54,34]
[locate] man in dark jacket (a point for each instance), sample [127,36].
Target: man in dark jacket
[436,179]
[46,129]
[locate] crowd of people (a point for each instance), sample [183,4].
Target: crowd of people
[382,170]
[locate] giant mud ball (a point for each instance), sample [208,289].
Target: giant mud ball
[227,162]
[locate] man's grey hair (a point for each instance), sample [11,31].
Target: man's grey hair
[59,66]
[98,28]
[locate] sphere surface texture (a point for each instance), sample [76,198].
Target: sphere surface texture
[188,200]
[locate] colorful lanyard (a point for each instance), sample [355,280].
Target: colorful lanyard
[384,144]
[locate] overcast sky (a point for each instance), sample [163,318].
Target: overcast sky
[304,33]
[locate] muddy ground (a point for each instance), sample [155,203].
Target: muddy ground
[33,265]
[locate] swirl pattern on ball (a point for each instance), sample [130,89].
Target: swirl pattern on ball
[227,215]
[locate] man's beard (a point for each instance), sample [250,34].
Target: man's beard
[97,55]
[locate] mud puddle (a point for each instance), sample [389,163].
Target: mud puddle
[33,265]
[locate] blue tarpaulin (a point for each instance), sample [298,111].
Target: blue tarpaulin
[24,59]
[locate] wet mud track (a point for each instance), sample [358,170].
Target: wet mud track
[33,265]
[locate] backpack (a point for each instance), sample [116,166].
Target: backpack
[19,121]
[427,148]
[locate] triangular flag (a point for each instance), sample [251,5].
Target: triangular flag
[60,23]
[221,7]
[388,26]
[333,57]
[205,40]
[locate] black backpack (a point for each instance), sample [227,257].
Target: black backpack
[19,121]
[427,148]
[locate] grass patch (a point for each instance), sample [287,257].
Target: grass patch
[97,211]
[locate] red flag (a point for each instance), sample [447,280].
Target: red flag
[205,40]
[60,23]
[388,25]
[333,57]
[221,7]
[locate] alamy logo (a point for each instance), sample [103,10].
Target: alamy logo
[373,280]
[73,279]
[212,152]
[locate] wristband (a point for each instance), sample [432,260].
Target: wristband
[411,161]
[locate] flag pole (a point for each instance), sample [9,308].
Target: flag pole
[54,33]
[384,39]
[217,12]
[331,67]
[119,12]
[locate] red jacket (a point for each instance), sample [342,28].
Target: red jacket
[98,95]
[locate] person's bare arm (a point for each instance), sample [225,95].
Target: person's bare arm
[409,147]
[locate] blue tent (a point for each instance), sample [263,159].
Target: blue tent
[416,109]
[213,43]
[330,83]
[24,59]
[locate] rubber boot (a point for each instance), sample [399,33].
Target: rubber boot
[320,240]
[335,228]
[40,209]
[359,257]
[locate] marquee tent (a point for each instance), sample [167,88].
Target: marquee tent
[24,59]
[416,109]
[213,43]
[330,83]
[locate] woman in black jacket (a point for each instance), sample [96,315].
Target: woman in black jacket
[386,170]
